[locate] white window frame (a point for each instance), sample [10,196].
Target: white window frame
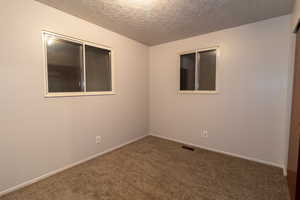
[196,51]
[46,34]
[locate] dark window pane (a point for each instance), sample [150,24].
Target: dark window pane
[98,69]
[187,71]
[65,64]
[207,70]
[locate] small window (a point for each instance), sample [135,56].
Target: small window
[75,67]
[198,71]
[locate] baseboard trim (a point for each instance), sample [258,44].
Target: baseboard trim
[29,182]
[224,152]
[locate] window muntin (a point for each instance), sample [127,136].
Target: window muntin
[198,71]
[75,67]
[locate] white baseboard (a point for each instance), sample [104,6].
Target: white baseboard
[224,152]
[29,182]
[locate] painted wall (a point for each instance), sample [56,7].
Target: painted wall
[249,115]
[40,134]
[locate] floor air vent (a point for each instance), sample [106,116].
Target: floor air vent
[188,148]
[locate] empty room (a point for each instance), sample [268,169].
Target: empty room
[150,100]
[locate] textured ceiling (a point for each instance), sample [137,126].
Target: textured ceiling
[157,21]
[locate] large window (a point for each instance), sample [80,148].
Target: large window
[75,67]
[198,71]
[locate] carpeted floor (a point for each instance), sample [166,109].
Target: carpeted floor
[154,168]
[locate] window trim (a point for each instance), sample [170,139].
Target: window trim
[196,51]
[83,43]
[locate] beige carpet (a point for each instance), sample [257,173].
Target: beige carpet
[154,168]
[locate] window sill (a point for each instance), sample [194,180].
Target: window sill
[77,94]
[197,92]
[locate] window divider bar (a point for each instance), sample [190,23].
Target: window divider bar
[196,71]
[198,67]
[111,72]
[84,69]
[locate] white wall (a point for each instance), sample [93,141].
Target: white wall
[249,115]
[40,134]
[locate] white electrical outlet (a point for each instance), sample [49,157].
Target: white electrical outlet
[98,139]
[205,133]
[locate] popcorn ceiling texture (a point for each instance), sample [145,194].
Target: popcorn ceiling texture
[154,22]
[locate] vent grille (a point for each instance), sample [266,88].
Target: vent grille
[188,148]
